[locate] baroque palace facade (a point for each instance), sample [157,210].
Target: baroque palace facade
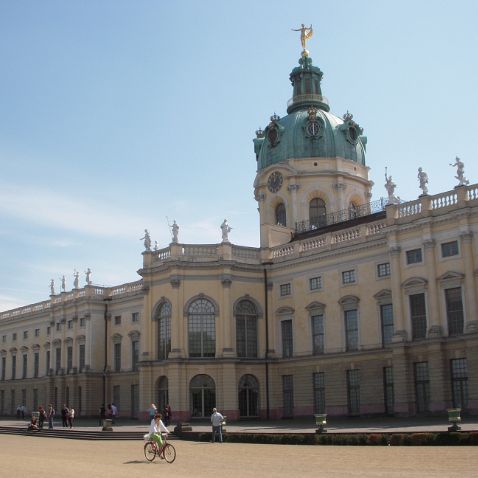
[347,307]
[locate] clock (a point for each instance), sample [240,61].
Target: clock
[274,182]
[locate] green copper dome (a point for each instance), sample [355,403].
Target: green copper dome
[309,130]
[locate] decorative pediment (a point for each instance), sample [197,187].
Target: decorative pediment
[316,307]
[349,302]
[451,279]
[36,347]
[415,285]
[134,335]
[383,296]
[23,349]
[81,339]
[68,341]
[117,338]
[282,311]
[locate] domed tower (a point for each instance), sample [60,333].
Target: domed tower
[310,163]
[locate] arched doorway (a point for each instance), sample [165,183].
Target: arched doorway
[202,391]
[248,396]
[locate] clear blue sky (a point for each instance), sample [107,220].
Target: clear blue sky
[118,114]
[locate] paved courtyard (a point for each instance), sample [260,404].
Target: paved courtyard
[43,457]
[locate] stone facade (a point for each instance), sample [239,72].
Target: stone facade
[347,307]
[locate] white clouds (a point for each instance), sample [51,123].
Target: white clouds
[50,209]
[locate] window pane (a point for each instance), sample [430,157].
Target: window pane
[286,327]
[317,334]
[351,329]
[386,315]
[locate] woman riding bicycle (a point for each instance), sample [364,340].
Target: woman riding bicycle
[157,426]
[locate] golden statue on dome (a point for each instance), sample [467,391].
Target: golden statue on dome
[305,34]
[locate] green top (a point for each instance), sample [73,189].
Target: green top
[309,129]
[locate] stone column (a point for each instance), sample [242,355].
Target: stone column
[400,333]
[471,320]
[435,321]
[177,318]
[227,349]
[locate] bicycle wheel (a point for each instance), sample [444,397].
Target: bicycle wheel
[169,452]
[149,450]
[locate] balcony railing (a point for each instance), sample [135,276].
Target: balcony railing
[341,216]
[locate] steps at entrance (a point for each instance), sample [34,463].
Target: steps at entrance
[75,434]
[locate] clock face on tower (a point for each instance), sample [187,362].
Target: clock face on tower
[274,182]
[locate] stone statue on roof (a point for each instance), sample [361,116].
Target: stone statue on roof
[226,229]
[175,229]
[460,172]
[390,187]
[423,180]
[76,280]
[147,240]
[88,274]
[52,287]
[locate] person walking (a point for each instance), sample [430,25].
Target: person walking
[41,416]
[64,415]
[50,415]
[216,421]
[71,417]
[167,414]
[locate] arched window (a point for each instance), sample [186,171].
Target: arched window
[163,393]
[317,213]
[203,395]
[246,329]
[164,330]
[248,396]
[202,329]
[281,216]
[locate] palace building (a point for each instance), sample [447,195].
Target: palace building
[348,307]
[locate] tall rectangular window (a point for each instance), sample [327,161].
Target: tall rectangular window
[118,320]
[69,358]
[353,391]
[386,317]
[319,392]
[164,345]
[388,392]
[4,364]
[81,354]
[37,332]
[35,399]
[134,400]
[36,364]
[14,366]
[24,365]
[116,396]
[135,354]
[47,362]
[57,359]
[287,396]
[287,339]
[422,387]
[351,329]
[454,311]
[459,382]
[117,357]
[317,334]
[418,316]
[135,317]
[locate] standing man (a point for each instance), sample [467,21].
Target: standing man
[50,414]
[216,421]
[65,411]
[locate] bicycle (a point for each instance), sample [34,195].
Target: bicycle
[165,452]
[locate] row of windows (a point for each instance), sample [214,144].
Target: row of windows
[69,325]
[348,277]
[448,249]
[202,331]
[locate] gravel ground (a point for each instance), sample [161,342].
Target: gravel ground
[50,457]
